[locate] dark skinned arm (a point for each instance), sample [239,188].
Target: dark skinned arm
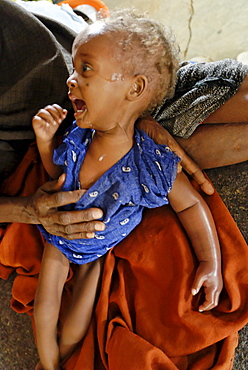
[42,208]
[198,222]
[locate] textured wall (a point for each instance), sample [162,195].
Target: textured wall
[215,29]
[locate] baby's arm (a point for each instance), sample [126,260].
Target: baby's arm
[45,124]
[198,222]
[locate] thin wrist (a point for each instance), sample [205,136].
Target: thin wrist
[214,264]
[42,142]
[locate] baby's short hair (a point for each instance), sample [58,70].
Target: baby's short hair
[147,47]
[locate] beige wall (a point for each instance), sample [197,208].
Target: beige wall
[218,28]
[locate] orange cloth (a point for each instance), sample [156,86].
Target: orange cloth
[145,317]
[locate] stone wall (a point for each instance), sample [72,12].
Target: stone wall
[204,28]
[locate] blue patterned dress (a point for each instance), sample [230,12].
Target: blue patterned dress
[142,178]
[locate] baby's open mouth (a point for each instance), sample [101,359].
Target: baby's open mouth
[79,105]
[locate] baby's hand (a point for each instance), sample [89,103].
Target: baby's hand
[209,277]
[47,121]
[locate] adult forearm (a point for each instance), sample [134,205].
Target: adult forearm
[43,207]
[17,209]
[217,145]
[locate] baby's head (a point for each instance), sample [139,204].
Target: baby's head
[142,47]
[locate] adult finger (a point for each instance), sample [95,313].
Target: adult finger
[76,231]
[191,167]
[196,173]
[53,186]
[61,198]
[53,197]
[161,136]
[74,221]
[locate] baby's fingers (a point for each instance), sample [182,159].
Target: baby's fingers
[52,114]
[197,284]
[211,299]
[59,112]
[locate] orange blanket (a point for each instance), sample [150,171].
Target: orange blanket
[145,317]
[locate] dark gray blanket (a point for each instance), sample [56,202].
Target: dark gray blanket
[201,89]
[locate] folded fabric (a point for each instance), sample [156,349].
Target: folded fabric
[145,315]
[201,88]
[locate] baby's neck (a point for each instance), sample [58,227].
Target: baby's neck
[113,144]
[105,150]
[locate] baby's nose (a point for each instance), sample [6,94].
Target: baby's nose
[71,81]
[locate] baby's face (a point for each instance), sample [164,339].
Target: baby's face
[97,87]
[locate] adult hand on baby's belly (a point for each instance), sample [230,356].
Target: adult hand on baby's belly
[68,224]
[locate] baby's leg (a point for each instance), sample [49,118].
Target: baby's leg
[80,312]
[53,274]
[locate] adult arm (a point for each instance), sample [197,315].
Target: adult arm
[227,131]
[217,145]
[213,96]
[234,109]
[42,208]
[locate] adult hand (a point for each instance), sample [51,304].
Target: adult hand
[69,224]
[161,136]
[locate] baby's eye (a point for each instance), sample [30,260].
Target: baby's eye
[86,68]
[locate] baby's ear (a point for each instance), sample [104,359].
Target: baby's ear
[138,87]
